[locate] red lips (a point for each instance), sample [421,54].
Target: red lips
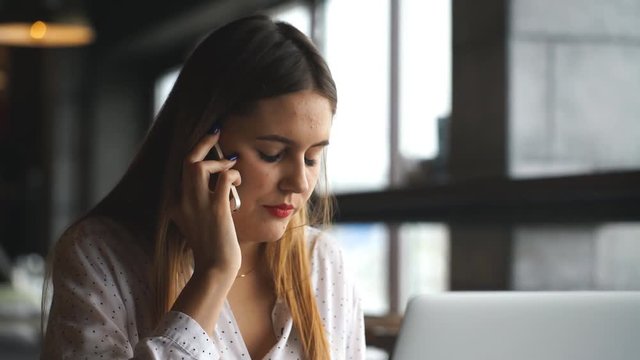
[280,211]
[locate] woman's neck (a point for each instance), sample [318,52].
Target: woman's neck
[252,259]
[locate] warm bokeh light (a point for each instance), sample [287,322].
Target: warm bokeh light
[39,34]
[38,30]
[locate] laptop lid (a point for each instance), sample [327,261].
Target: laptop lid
[521,326]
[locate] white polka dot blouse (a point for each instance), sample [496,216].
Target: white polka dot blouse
[101,305]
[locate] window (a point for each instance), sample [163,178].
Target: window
[359,52]
[425,75]
[424,265]
[365,249]
[358,55]
[574,80]
[577,257]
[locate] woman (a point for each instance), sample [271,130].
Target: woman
[255,282]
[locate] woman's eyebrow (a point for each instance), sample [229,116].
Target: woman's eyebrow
[287,141]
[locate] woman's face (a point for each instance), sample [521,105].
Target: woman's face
[280,146]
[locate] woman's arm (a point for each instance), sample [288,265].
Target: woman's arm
[92,312]
[99,305]
[204,218]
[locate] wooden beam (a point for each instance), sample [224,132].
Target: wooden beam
[586,198]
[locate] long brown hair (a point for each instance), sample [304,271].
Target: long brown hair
[229,71]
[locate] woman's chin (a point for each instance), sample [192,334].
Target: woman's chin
[263,234]
[275,234]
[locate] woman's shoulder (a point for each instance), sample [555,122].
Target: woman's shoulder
[334,287]
[322,244]
[327,259]
[91,230]
[98,237]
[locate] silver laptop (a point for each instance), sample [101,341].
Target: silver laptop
[521,326]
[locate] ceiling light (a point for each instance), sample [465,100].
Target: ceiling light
[44,34]
[36,26]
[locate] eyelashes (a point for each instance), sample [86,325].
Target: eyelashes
[270,158]
[277,157]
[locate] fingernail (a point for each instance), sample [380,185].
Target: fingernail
[215,128]
[232,157]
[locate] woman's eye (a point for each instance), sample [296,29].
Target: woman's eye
[277,157]
[270,158]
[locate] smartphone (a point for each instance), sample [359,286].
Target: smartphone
[216,154]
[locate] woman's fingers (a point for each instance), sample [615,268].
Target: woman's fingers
[198,174]
[202,216]
[226,179]
[202,148]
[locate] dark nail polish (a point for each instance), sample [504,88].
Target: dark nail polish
[232,157]
[215,128]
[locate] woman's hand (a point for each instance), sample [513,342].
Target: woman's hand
[203,216]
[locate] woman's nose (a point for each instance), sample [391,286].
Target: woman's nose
[295,178]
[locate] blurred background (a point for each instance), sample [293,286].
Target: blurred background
[478,145]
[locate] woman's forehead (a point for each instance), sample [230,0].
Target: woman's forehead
[305,114]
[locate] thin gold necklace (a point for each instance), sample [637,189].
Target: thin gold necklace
[240,276]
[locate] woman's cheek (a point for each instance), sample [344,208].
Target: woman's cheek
[262,171]
[256,176]
[312,178]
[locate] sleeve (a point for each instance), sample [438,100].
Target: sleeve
[177,337]
[91,311]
